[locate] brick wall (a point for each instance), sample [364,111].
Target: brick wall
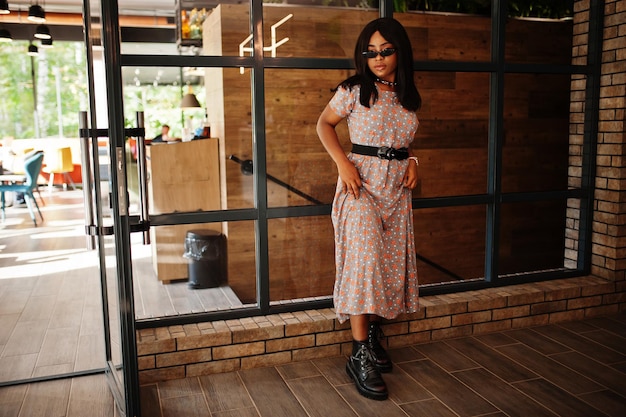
[609,220]
[206,348]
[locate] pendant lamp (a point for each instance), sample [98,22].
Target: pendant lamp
[36,14]
[5,36]
[43,32]
[46,43]
[32,50]
[4,7]
[189,101]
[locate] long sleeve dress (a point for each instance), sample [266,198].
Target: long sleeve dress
[376,270]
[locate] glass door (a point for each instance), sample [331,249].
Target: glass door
[106,203]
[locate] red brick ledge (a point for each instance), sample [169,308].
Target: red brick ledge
[223,346]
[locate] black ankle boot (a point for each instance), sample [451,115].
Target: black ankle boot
[367,378]
[380,357]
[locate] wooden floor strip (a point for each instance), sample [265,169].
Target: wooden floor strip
[492,360]
[225,392]
[448,389]
[581,344]
[319,398]
[270,393]
[505,397]
[556,399]
[90,396]
[550,369]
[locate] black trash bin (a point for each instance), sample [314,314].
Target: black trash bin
[206,251]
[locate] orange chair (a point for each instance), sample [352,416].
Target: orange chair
[59,161]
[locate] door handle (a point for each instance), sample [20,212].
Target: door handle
[86,169]
[89,156]
[142,175]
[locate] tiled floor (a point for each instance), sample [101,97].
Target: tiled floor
[572,369]
[575,369]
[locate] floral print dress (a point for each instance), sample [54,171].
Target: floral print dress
[376,270]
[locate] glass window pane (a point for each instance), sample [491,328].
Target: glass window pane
[300,172]
[450,142]
[229,98]
[242,260]
[452,138]
[532,237]
[158,92]
[450,244]
[205,271]
[306,31]
[301,257]
[448,37]
[196,28]
[44,93]
[536,132]
[542,41]
[226,111]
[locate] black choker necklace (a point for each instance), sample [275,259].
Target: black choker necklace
[388,83]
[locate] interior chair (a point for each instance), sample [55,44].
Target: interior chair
[32,169]
[17,167]
[59,161]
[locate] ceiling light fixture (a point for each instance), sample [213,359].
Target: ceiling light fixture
[36,14]
[5,36]
[4,7]
[43,32]
[46,43]
[32,50]
[189,101]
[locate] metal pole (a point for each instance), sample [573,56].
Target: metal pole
[34,81]
[57,78]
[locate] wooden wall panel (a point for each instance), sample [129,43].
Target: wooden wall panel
[182,177]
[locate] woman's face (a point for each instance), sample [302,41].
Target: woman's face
[383,67]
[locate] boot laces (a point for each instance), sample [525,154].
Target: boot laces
[375,337]
[365,357]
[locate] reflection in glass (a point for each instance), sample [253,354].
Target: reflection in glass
[450,244]
[532,237]
[301,257]
[536,132]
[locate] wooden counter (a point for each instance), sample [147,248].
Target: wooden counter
[182,177]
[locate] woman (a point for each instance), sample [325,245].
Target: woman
[376,273]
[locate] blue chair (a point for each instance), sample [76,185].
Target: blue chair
[32,169]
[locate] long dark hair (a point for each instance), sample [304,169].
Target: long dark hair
[393,32]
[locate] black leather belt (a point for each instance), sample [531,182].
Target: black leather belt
[384,152]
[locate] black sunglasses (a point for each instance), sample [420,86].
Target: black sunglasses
[373,54]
